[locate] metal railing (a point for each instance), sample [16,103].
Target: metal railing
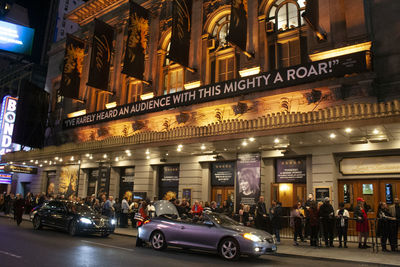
[373,240]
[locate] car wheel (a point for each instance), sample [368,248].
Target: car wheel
[72,229]
[37,223]
[158,241]
[229,249]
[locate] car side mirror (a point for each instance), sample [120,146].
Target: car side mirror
[208,223]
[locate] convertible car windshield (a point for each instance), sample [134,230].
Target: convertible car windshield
[222,220]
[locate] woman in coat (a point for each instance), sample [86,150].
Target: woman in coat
[362,226]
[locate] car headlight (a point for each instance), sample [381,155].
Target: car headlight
[113,221]
[85,220]
[252,237]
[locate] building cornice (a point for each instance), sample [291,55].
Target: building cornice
[277,123]
[92,9]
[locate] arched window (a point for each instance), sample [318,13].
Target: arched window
[173,75]
[286,39]
[286,15]
[222,55]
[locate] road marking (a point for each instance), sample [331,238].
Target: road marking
[104,245]
[10,254]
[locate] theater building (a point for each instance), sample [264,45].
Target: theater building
[286,109]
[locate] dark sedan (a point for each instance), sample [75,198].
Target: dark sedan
[72,217]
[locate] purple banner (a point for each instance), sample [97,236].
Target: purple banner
[248,179]
[291,170]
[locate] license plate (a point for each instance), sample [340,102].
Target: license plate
[274,248]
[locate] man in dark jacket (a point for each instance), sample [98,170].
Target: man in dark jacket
[19,208]
[262,215]
[275,213]
[326,214]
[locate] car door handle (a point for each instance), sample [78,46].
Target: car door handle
[182,227]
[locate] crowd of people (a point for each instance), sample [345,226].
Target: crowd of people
[313,220]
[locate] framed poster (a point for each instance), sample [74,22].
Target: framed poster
[293,170]
[187,194]
[223,173]
[321,192]
[69,176]
[126,183]
[168,182]
[248,179]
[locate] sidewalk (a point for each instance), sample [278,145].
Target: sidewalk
[286,248]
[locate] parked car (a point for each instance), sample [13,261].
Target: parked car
[72,217]
[213,232]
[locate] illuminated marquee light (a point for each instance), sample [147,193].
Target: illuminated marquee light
[341,51]
[7,119]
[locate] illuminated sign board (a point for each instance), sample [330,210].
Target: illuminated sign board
[5,178]
[20,169]
[7,119]
[16,38]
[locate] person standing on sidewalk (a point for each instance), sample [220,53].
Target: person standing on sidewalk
[313,219]
[295,223]
[326,213]
[19,208]
[124,212]
[261,214]
[342,222]
[275,215]
[362,226]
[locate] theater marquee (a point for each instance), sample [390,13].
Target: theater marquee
[313,71]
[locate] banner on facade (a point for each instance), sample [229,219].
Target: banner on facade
[223,173]
[100,58]
[31,116]
[238,24]
[313,71]
[69,176]
[127,178]
[72,70]
[137,42]
[291,170]
[248,179]
[168,182]
[181,29]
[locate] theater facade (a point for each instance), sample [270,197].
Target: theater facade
[294,105]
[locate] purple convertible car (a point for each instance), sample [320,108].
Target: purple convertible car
[214,232]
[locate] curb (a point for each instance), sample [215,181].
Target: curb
[330,259]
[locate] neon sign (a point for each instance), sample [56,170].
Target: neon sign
[7,119]
[5,178]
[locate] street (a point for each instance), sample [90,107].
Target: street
[23,246]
